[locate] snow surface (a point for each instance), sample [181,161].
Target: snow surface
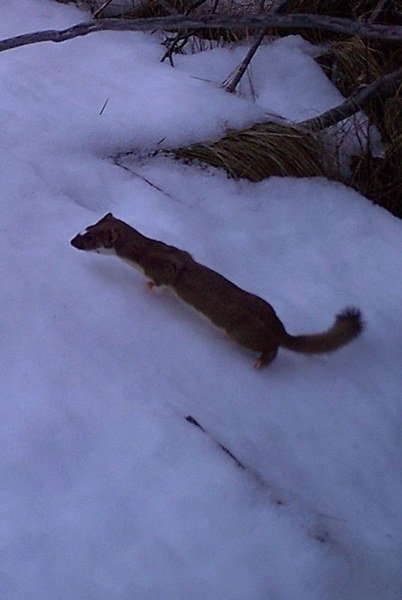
[107,492]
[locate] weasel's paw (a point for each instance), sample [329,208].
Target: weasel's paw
[265,358]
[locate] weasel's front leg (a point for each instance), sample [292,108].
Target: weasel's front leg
[159,270]
[265,359]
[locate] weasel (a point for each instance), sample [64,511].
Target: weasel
[245,318]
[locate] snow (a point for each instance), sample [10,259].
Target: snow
[107,492]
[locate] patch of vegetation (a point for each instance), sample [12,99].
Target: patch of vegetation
[351,62]
[262,150]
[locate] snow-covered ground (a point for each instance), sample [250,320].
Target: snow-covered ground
[107,492]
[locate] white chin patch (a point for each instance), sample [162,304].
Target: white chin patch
[103,250]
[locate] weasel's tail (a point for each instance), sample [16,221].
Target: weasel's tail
[347,325]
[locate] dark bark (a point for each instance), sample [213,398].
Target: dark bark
[256,22]
[383,87]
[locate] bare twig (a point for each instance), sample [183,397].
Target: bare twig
[101,8]
[390,33]
[278,6]
[174,42]
[194,5]
[173,45]
[232,81]
[171,10]
[180,37]
[144,179]
[104,106]
[378,9]
[384,86]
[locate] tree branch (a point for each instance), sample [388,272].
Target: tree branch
[377,11]
[374,31]
[233,80]
[384,86]
[101,8]
[180,37]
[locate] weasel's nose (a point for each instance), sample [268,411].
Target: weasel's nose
[77,242]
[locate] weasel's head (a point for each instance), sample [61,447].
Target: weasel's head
[100,237]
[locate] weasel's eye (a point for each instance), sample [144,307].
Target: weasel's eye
[89,237]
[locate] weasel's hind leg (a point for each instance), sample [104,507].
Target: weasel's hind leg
[266,358]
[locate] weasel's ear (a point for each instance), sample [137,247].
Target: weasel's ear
[110,237]
[108,216]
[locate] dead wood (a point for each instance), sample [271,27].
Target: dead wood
[256,22]
[383,87]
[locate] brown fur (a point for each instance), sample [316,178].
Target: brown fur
[247,319]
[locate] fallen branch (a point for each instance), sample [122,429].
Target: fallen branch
[383,87]
[374,31]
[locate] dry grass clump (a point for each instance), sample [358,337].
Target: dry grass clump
[153,8]
[362,10]
[380,179]
[268,149]
[357,10]
[138,9]
[134,9]
[262,150]
[350,63]
[141,9]
[131,9]
[312,7]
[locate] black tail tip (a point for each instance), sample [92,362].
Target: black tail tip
[354,317]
